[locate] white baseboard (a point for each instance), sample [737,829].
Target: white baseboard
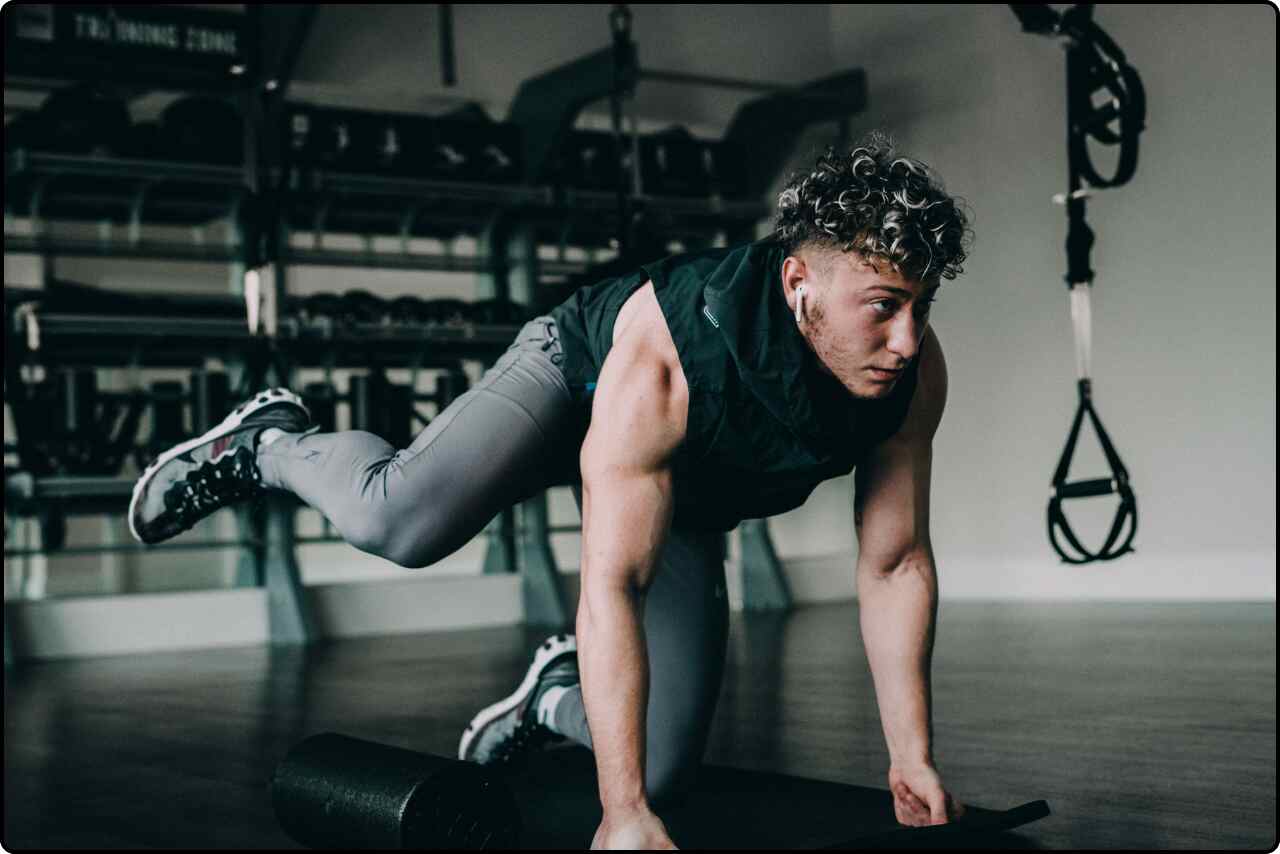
[1244,576]
[1238,576]
[92,626]
[417,605]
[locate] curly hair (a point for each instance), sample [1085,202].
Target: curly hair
[877,205]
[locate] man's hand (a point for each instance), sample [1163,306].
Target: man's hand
[918,797]
[634,831]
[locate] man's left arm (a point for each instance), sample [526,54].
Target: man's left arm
[898,593]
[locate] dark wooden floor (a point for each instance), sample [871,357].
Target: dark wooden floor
[1144,726]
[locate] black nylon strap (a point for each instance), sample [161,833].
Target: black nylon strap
[1127,511]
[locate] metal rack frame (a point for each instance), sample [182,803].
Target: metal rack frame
[506,218]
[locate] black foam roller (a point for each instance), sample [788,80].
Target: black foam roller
[334,791]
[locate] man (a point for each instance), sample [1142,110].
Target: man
[679,399]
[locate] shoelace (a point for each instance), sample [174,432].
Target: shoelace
[214,485]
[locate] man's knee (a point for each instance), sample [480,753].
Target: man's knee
[366,531]
[411,546]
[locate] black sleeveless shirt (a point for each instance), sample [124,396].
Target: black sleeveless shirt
[766,425]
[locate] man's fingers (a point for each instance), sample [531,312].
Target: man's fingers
[909,799]
[930,811]
[904,792]
[937,807]
[909,817]
[909,809]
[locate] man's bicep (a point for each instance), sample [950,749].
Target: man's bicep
[638,416]
[891,504]
[891,486]
[636,426]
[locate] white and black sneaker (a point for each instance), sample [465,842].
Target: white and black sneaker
[191,480]
[503,733]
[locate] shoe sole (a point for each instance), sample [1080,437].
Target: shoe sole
[551,649]
[229,424]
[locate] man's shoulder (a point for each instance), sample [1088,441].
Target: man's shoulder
[933,366]
[930,397]
[641,325]
[643,398]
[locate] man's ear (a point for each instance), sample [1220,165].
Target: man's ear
[795,272]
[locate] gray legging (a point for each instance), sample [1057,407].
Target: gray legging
[517,432]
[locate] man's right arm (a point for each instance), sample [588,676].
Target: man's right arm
[638,420]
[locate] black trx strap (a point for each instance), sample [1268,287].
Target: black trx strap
[1117,483]
[1094,64]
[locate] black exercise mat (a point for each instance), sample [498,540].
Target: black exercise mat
[733,808]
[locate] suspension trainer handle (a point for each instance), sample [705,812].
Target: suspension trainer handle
[1117,484]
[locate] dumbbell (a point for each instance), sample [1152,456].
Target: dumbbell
[591,161]
[468,145]
[300,138]
[449,154]
[92,432]
[317,306]
[498,312]
[81,119]
[36,417]
[334,144]
[202,129]
[353,306]
[407,310]
[363,307]
[673,163]
[499,158]
[58,428]
[387,144]
[729,174]
[446,311]
[144,141]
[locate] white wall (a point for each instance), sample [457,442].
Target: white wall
[1184,307]
[1184,299]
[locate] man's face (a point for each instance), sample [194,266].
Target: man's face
[863,325]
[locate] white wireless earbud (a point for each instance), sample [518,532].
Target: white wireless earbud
[799,303]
